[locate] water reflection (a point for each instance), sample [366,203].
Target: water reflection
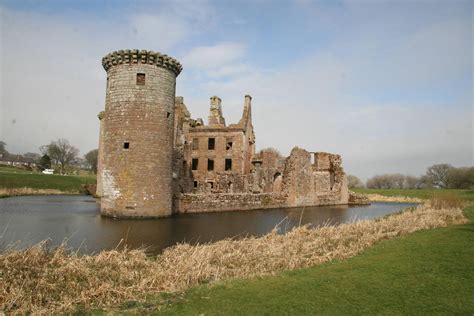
[77,220]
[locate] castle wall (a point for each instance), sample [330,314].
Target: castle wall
[137,168]
[148,142]
[198,203]
[314,181]
[198,149]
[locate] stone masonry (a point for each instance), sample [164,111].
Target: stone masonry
[155,160]
[135,154]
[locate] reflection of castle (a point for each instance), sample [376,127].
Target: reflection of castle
[154,159]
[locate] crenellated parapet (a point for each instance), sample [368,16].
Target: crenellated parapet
[135,56]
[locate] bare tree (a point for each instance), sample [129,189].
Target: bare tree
[354,182]
[92,157]
[34,157]
[394,181]
[3,150]
[61,153]
[461,178]
[438,175]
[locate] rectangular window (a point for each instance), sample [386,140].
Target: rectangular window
[228,164]
[140,79]
[228,143]
[210,164]
[195,184]
[126,145]
[195,143]
[195,164]
[210,184]
[211,144]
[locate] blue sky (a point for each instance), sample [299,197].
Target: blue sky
[387,84]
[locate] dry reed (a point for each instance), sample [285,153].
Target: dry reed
[395,199]
[29,191]
[38,280]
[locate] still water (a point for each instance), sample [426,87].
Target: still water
[31,219]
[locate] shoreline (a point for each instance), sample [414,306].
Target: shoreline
[16,192]
[132,275]
[394,199]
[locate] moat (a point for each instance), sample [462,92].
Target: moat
[31,219]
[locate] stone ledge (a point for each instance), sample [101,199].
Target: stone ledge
[135,56]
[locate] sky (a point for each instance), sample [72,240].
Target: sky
[386,84]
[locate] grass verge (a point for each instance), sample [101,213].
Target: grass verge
[12,183]
[423,194]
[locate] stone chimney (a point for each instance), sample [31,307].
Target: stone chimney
[248,101]
[215,113]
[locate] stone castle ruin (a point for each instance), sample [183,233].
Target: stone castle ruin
[155,160]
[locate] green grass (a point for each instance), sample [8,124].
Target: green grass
[17,178]
[9,169]
[427,272]
[419,193]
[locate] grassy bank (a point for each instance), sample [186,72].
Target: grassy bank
[41,280]
[427,272]
[424,194]
[20,182]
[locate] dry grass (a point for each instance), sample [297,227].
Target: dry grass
[395,199]
[41,281]
[443,200]
[28,191]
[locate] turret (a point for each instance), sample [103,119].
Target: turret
[136,143]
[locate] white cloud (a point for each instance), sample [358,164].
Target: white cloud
[312,103]
[206,57]
[53,84]
[162,30]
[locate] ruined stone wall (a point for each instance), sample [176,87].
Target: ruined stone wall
[318,182]
[269,167]
[136,172]
[197,203]
[198,149]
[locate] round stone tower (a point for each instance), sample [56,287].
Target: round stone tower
[136,145]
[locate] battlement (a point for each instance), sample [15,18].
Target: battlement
[135,56]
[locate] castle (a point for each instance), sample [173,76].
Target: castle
[155,160]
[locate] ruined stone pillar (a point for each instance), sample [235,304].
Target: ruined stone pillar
[136,170]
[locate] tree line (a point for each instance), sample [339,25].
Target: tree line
[58,154]
[443,176]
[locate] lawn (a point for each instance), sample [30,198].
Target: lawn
[427,272]
[11,178]
[418,193]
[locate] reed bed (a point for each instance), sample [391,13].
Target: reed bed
[395,199]
[5,192]
[38,280]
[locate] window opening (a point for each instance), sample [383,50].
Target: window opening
[195,163]
[228,164]
[229,142]
[211,144]
[210,164]
[140,79]
[195,143]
